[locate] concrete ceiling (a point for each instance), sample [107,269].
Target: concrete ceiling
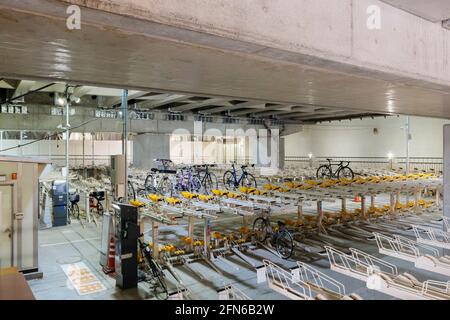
[107,57]
[433,10]
[100,97]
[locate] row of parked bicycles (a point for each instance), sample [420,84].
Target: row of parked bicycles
[169,180]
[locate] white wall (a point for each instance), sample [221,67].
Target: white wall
[56,150]
[356,138]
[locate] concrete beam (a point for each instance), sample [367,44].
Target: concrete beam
[170,99]
[293,52]
[199,104]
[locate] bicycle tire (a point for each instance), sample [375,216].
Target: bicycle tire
[165,187]
[341,173]
[261,229]
[229,180]
[251,181]
[195,185]
[99,208]
[163,292]
[76,210]
[324,171]
[210,182]
[131,191]
[148,184]
[285,244]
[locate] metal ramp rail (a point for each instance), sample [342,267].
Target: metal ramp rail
[433,237]
[383,276]
[231,292]
[423,256]
[446,221]
[322,283]
[284,283]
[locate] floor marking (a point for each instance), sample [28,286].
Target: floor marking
[67,242]
[82,278]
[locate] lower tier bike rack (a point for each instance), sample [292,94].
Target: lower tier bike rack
[382,276]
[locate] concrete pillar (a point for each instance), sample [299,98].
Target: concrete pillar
[281,152]
[148,146]
[446,170]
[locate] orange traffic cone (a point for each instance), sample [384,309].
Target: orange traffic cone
[111,257]
[357,199]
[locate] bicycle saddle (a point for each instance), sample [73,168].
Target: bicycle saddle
[329,159]
[154,170]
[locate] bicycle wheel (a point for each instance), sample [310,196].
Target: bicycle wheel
[228,180]
[345,172]
[194,185]
[210,182]
[285,244]
[131,191]
[160,289]
[99,208]
[324,172]
[75,211]
[261,229]
[165,187]
[148,184]
[249,181]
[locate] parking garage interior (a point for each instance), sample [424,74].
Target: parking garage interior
[265,151]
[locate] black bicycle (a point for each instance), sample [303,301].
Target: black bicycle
[74,210]
[231,180]
[207,178]
[342,170]
[281,238]
[154,274]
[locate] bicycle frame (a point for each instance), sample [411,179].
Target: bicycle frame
[243,174]
[339,165]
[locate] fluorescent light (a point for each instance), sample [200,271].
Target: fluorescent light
[61,101]
[76,99]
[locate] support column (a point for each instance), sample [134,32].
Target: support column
[320,227]
[125,139]
[392,203]
[300,211]
[155,235]
[343,205]
[446,171]
[363,207]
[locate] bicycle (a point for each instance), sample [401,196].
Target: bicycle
[95,199]
[158,181]
[187,181]
[281,238]
[207,178]
[154,273]
[342,171]
[231,181]
[74,210]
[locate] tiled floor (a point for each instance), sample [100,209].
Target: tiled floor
[75,243]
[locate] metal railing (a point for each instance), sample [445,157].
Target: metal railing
[415,163]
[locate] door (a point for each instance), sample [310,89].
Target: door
[6,228]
